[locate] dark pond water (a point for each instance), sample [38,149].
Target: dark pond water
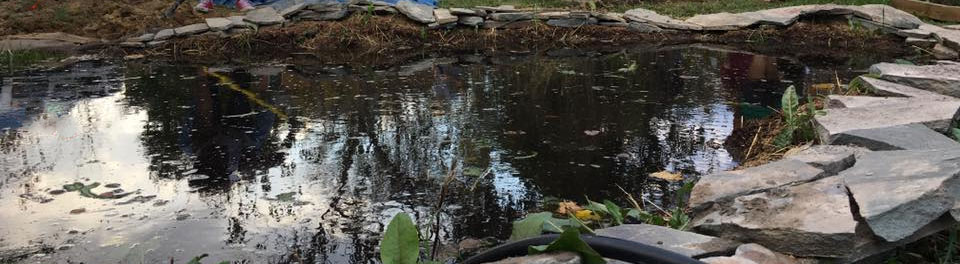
[297,163]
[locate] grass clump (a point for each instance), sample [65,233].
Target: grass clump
[22,59]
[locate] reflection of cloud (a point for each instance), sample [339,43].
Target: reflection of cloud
[686,136]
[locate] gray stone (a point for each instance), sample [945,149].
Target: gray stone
[752,254]
[902,137]
[132,44]
[465,12]
[942,52]
[614,24]
[324,15]
[498,9]
[552,15]
[156,43]
[950,37]
[572,22]
[610,17]
[548,258]
[510,17]
[934,114]
[889,16]
[953,27]
[812,219]
[327,6]
[164,34]
[661,21]
[886,88]
[142,38]
[680,242]
[293,9]
[940,78]
[851,101]
[922,42]
[264,16]
[723,186]
[643,27]
[237,22]
[915,33]
[191,29]
[830,158]
[219,24]
[722,21]
[444,16]
[899,192]
[417,12]
[471,21]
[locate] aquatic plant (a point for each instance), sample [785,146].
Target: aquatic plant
[798,122]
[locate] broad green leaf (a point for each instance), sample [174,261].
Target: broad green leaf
[956,133]
[570,240]
[679,219]
[615,211]
[785,138]
[401,243]
[530,226]
[196,260]
[789,104]
[557,225]
[596,207]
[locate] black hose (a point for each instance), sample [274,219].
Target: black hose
[608,247]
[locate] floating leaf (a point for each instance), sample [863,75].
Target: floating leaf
[530,226]
[401,242]
[666,175]
[566,207]
[570,240]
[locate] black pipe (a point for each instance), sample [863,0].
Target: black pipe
[608,247]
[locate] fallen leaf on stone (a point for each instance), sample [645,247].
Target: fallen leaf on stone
[567,207]
[78,211]
[587,215]
[666,175]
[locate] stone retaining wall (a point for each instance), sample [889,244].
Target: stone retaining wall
[942,42]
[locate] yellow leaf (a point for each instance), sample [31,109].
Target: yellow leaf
[567,207]
[587,215]
[666,175]
[823,86]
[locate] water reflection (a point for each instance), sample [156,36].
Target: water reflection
[307,164]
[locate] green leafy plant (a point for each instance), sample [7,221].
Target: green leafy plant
[570,241]
[401,242]
[798,123]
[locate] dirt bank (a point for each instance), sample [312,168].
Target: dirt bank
[393,39]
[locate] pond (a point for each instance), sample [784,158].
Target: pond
[308,163]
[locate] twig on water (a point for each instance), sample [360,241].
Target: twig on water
[754,142]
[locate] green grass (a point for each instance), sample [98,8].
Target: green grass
[22,59]
[678,9]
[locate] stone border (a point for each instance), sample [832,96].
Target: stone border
[878,17]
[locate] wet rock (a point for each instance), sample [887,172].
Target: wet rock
[293,9]
[572,22]
[510,17]
[191,29]
[830,158]
[889,16]
[142,38]
[681,242]
[128,44]
[899,192]
[643,27]
[753,254]
[933,114]
[811,219]
[466,12]
[443,16]
[78,211]
[942,52]
[264,16]
[471,21]
[886,88]
[548,258]
[848,101]
[724,186]
[219,23]
[610,17]
[417,12]
[164,34]
[940,78]
[902,137]
[661,21]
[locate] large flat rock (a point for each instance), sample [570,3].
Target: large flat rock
[934,114]
[830,158]
[902,137]
[940,78]
[889,16]
[899,192]
[191,29]
[851,101]
[548,258]
[684,243]
[264,16]
[950,37]
[724,186]
[753,254]
[219,23]
[887,88]
[416,12]
[811,220]
[651,17]
[722,21]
